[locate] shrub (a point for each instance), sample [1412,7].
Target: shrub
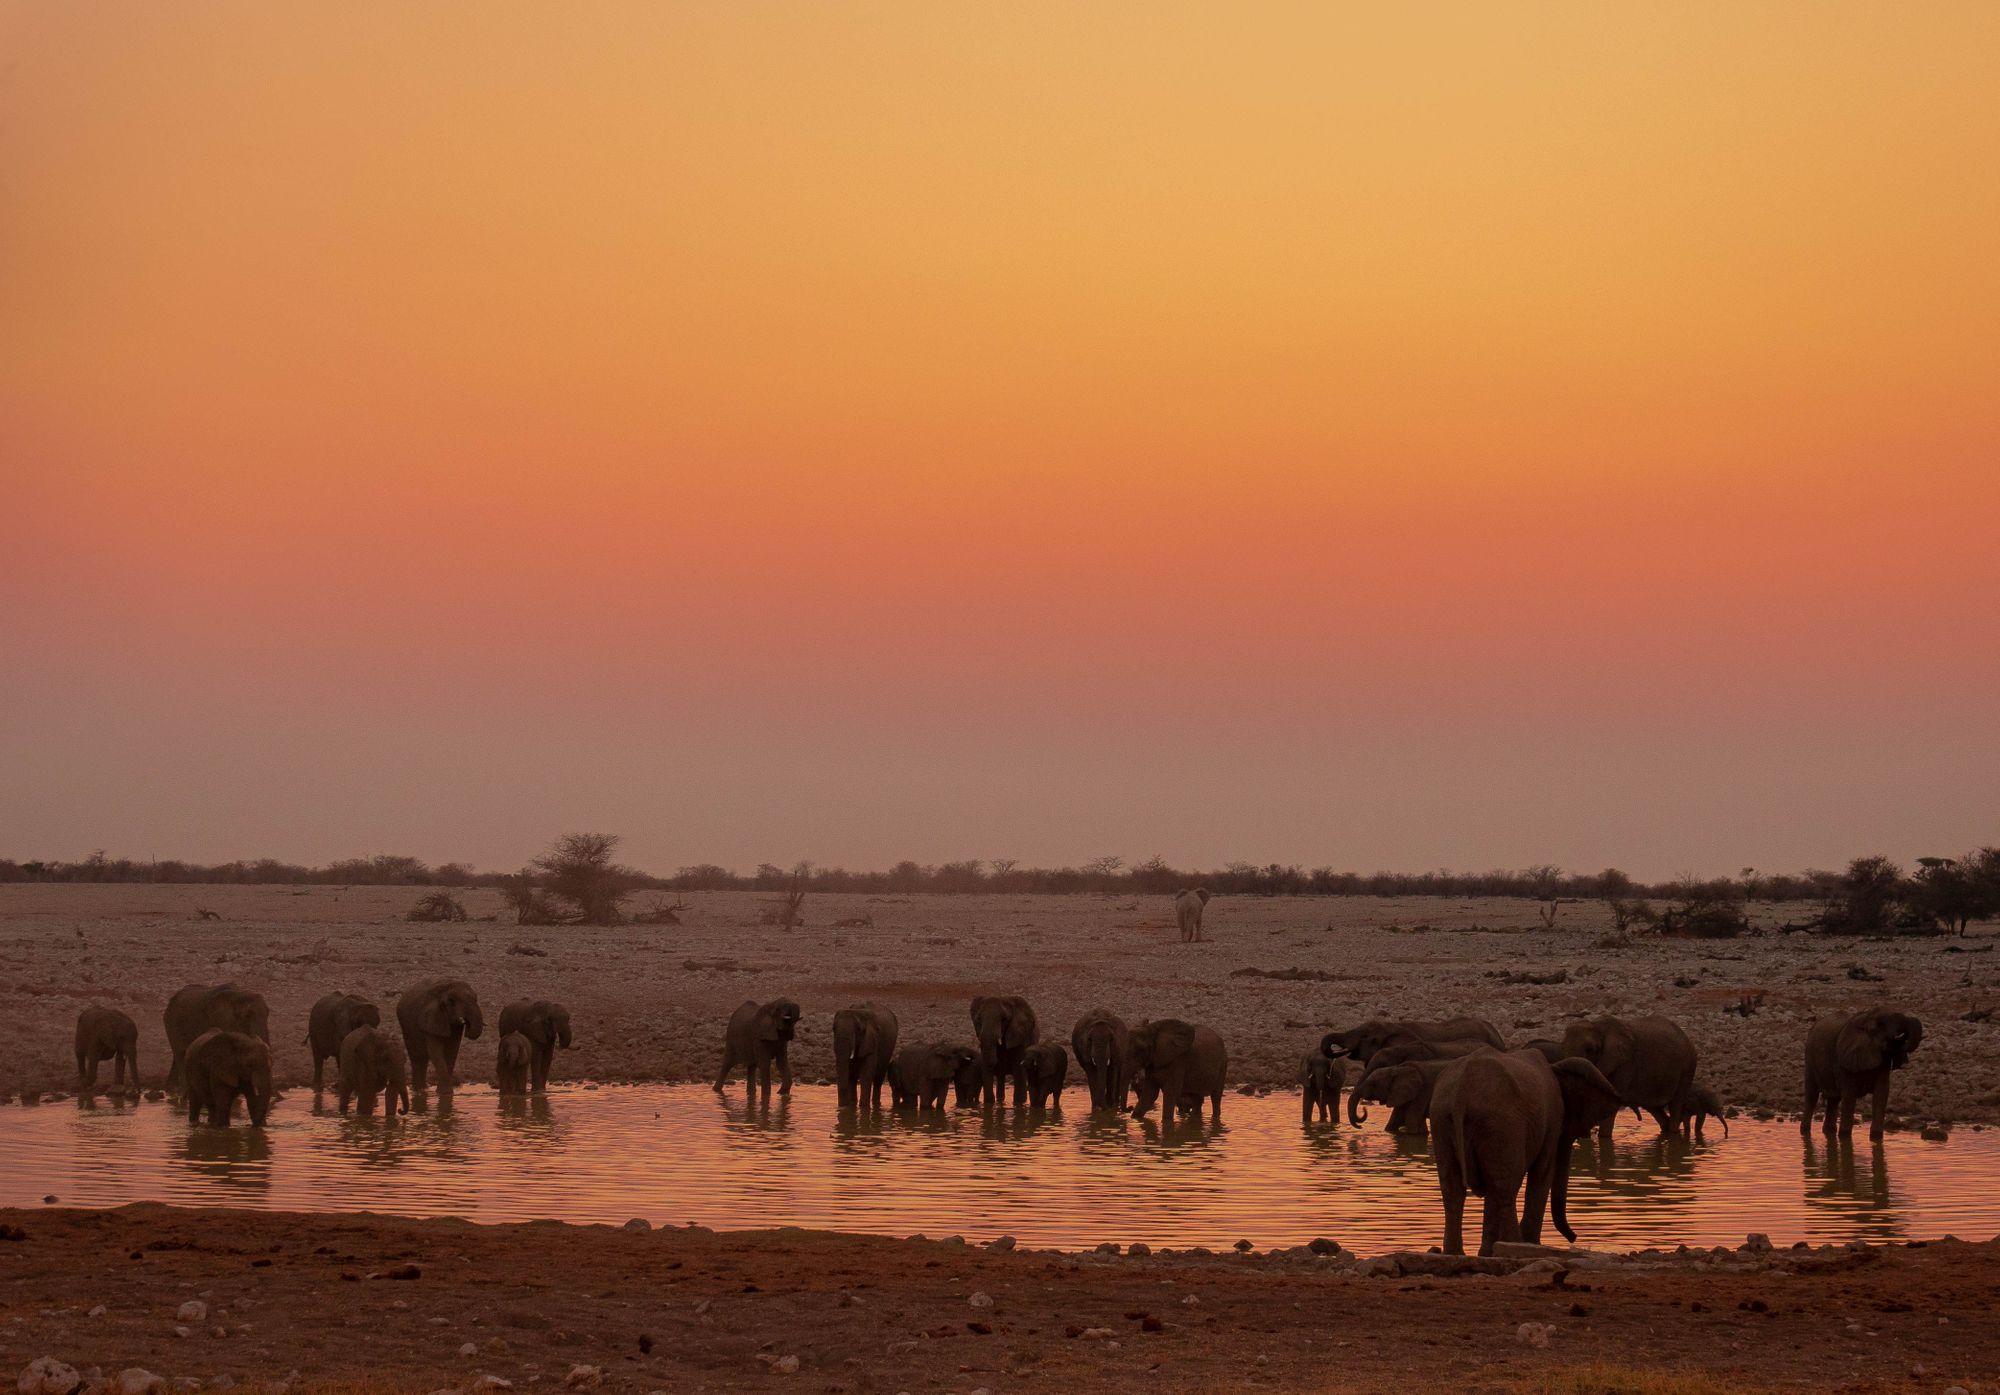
[438,906]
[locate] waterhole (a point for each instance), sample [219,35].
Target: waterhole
[677,1153]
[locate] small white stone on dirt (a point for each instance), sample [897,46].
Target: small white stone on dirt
[47,1376]
[489,1383]
[785,1365]
[1096,1334]
[1191,1301]
[1533,1334]
[469,1349]
[981,1300]
[183,1331]
[137,1380]
[1956,1390]
[194,1310]
[218,1332]
[98,1311]
[582,1377]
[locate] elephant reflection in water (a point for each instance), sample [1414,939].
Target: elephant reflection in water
[236,1158]
[527,1115]
[1832,1172]
[1017,1127]
[1187,1130]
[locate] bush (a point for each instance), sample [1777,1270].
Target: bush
[438,906]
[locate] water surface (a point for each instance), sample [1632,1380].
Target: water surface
[676,1153]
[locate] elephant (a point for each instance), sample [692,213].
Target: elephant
[1046,1066]
[1648,1060]
[864,1043]
[920,1074]
[220,1067]
[1700,1103]
[1362,1042]
[1405,1086]
[1321,1080]
[546,1026]
[1005,1027]
[1502,1120]
[106,1034]
[758,1035]
[512,1064]
[1408,1115]
[1188,906]
[1181,1064]
[201,1007]
[1847,1057]
[435,1018]
[371,1064]
[332,1018]
[968,1082]
[1103,1048]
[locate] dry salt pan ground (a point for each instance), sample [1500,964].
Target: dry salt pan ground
[649,1002]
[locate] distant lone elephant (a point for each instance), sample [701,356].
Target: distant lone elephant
[864,1043]
[220,1068]
[514,1061]
[435,1018]
[1180,1064]
[1046,1066]
[1648,1060]
[372,1065]
[1320,1082]
[1006,1028]
[1700,1103]
[1502,1121]
[1102,1046]
[1188,906]
[1378,1034]
[332,1018]
[921,1073]
[546,1026]
[201,1007]
[759,1036]
[106,1034]
[1848,1057]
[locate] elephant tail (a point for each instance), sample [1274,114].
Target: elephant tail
[1467,1165]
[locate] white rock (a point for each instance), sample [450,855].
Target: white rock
[469,1349]
[137,1380]
[785,1365]
[1956,1390]
[98,1311]
[981,1300]
[194,1310]
[1096,1334]
[1190,1302]
[1533,1334]
[47,1376]
[583,1378]
[183,1332]
[485,1383]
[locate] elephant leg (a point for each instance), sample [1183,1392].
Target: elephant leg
[1665,1120]
[1020,1085]
[434,1050]
[1451,1188]
[784,1069]
[86,1070]
[1214,1106]
[345,1094]
[193,1107]
[722,1075]
[319,1070]
[1498,1223]
[448,1063]
[1848,1099]
[763,1069]
[1881,1108]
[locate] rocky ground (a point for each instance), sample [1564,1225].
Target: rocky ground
[649,1002]
[214,1299]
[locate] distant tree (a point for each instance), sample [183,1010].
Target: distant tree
[577,874]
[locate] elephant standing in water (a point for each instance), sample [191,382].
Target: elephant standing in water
[1006,1027]
[1103,1050]
[202,1007]
[1181,1064]
[1188,906]
[968,1082]
[1847,1057]
[372,1064]
[1701,1102]
[864,1043]
[219,1068]
[1406,1109]
[1320,1083]
[1046,1066]
[106,1034]
[920,1074]
[1378,1034]
[759,1035]
[1501,1121]
[331,1019]
[511,1064]
[1648,1060]
[546,1026]
[435,1018]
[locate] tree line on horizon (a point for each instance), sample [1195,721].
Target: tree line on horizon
[1949,890]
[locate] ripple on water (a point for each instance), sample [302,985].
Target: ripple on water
[677,1153]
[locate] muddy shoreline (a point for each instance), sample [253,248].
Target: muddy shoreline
[649,1001]
[351,1301]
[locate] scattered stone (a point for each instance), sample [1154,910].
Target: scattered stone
[468,1349]
[1539,1271]
[137,1380]
[1758,1244]
[1935,1133]
[401,1271]
[1109,1247]
[1002,1245]
[1533,1334]
[98,1311]
[582,1377]
[638,1225]
[47,1376]
[487,1383]
[194,1310]
[1324,1246]
[183,1332]
[982,1300]
[1243,1247]
[1191,1301]
[1150,1323]
[1138,1249]
[1096,1334]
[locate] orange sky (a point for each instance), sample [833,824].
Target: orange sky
[1468,435]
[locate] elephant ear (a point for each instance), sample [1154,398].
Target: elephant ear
[1614,1051]
[1402,1085]
[432,1016]
[1859,1047]
[979,1010]
[1171,1041]
[767,1024]
[1588,1098]
[1202,892]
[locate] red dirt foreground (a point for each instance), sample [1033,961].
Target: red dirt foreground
[361,1303]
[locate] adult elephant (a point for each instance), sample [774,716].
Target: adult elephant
[371,1065]
[920,1074]
[546,1026]
[106,1034]
[759,1035]
[864,1043]
[1502,1121]
[202,1007]
[1405,1086]
[328,1025]
[222,1067]
[435,1018]
[1848,1057]
[1379,1033]
[1006,1028]
[1179,1063]
[1648,1060]
[1188,906]
[1102,1046]
[1407,1116]
[1320,1084]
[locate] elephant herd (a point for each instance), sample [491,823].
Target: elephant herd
[219,1039]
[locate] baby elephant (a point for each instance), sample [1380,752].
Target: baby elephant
[103,1034]
[545,1025]
[1698,1104]
[920,1074]
[1321,1080]
[517,1055]
[371,1064]
[1046,1066]
[327,1026]
[223,1067]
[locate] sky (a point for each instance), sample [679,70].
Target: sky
[1451,435]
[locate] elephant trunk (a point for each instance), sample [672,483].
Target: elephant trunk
[1356,1115]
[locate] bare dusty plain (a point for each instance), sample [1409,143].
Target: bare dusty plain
[649,1002]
